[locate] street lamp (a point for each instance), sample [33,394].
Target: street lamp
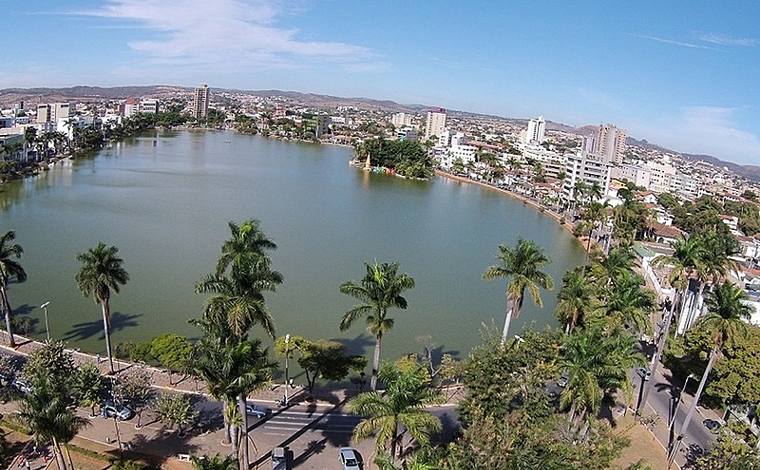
[287,354]
[47,326]
[678,402]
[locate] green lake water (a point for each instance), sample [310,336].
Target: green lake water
[164,200]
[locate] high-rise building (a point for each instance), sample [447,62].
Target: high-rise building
[129,107]
[43,113]
[200,101]
[435,123]
[588,168]
[52,113]
[400,120]
[536,129]
[610,143]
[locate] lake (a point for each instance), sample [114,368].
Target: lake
[165,200]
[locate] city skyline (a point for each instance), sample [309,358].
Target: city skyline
[680,75]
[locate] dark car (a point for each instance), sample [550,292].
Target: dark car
[257,411]
[109,409]
[279,458]
[712,425]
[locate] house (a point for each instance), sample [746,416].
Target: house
[666,233]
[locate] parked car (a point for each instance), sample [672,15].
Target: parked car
[562,380]
[109,409]
[279,458]
[22,385]
[257,411]
[348,458]
[712,425]
[645,373]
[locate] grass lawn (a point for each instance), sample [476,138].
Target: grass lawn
[643,445]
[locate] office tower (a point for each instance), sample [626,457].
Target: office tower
[610,143]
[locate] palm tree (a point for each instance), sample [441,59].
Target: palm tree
[403,404]
[725,321]
[625,304]
[231,372]
[51,416]
[523,265]
[248,244]
[380,289]
[597,365]
[593,212]
[9,269]
[214,463]
[617,263]
[238,300]
[575,299]
[102,271]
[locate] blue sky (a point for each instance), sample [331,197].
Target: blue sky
[683,74]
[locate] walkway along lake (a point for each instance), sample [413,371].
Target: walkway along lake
[165,200]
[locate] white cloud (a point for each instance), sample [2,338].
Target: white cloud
[703,130]
[673,42]
[724,40]
[235,34]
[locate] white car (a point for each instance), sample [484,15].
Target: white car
[348,459]
[257,411]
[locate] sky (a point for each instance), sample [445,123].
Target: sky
[681,74]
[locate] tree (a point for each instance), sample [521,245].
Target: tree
[53,362]
[625,304]
[102,271]
[9,269]
[575,300]
[619,262]
[730,452]
[725,321]
[380,289]
[134,389]
[327,360]
[176,410]
[750,195]
[597,365]
[523,265]
[173,351]
[214,463]
[50,416]
[402,404]
[86,386]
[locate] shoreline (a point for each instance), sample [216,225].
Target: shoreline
[557,218]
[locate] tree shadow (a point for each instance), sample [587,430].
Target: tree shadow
[157,449]
[358,345]
[693,452]
[312,448]
[119,321]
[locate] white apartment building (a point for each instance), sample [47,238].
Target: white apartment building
[149,106]
[400,120]
[588,168]
[200,101]
[536,130]
[552,162]
[464,152]
[637,174]
[447,138]
[435,123]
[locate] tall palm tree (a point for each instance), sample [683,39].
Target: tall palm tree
[102,271]
[625,304]
[575,299]
[523,265]
[617,263]
[248,244]
[725,321]
[231,372]
[237,300]
[9,269]
[597,365]
[214,463]
[51,416]
[380,289]
[593,213]
[403,403]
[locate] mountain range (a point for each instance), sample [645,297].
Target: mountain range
[12,96]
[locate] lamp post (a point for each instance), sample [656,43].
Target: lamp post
[47,326]
[287,354]
[678,402]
